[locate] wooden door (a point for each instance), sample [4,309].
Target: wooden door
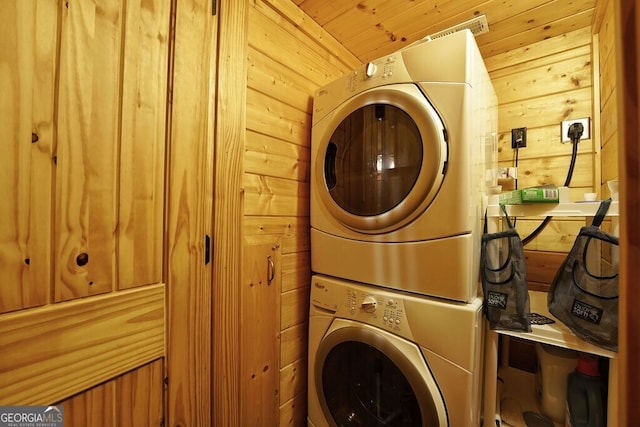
[81,223]
[259,331]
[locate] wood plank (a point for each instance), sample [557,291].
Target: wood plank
[318,66]
[28,55]
[231,104]
[93,408]
[553,170]
[562,76]
[189,218]
[554,45]
[546,110]
[609,118]
[543,32]
[293,380]
[270,116]
[558,236]
[142,148]
[88,112]
[68,347]
[627,21]
[542,266]
[541,142]
[260,328]
[548,60]
[316,35]
[270,156]
[610,158]
[540,17]
[294,307]
[294,411]
[274,196]
[294,230]
[139,396]
[296,270]
[275,79]
[608,80]
[293,344]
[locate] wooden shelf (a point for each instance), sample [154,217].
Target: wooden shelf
[555,333]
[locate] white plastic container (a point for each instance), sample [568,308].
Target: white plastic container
[554,365]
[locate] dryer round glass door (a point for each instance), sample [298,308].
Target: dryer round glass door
[364,377]
[383,155]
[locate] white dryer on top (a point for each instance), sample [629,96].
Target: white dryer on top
[402,149]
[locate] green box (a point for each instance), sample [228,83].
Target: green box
[544,194]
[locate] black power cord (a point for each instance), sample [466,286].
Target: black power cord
[574,133]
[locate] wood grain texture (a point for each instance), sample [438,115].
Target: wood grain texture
[228,210]
[627,44]
[131,400]
[376,28]
[260,330]
[69,347]
[28,56]
[139,396]
[189,214]
[142,143]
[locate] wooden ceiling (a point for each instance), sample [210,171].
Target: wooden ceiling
[374,28]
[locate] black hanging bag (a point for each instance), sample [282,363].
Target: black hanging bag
[584,295]
[504,279]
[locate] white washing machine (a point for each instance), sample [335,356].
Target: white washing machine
[401,152]
[382,358]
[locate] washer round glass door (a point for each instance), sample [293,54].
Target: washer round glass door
[367,377]
[382,158]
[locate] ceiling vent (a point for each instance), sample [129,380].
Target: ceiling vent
[478,25]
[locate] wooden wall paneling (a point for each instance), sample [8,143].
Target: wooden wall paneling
[313,62]
[539,51]
[306,30]
[553,170]
[627,42]
[67,348]
[266,155]
[228,209]
[88,111]
[130,400]
[545,110]
[294,411]
[272,117]
[266,195]
[294,307]
[293,380]
[189,184]
[293,344]
[296,270]
[139,396]
[92,408]
[561,75]
[577,20]
[142,148]
[268,76]
[260,329]
[542,267]
[28,56]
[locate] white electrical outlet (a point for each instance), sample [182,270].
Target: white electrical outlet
[564,128]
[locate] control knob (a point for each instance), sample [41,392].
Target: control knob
[369,304]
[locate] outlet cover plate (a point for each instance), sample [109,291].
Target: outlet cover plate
[586,133]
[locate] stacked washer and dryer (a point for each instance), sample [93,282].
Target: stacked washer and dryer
[402,150]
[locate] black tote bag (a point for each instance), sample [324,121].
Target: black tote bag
[585,297]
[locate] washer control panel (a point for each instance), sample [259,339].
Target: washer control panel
[365,304]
